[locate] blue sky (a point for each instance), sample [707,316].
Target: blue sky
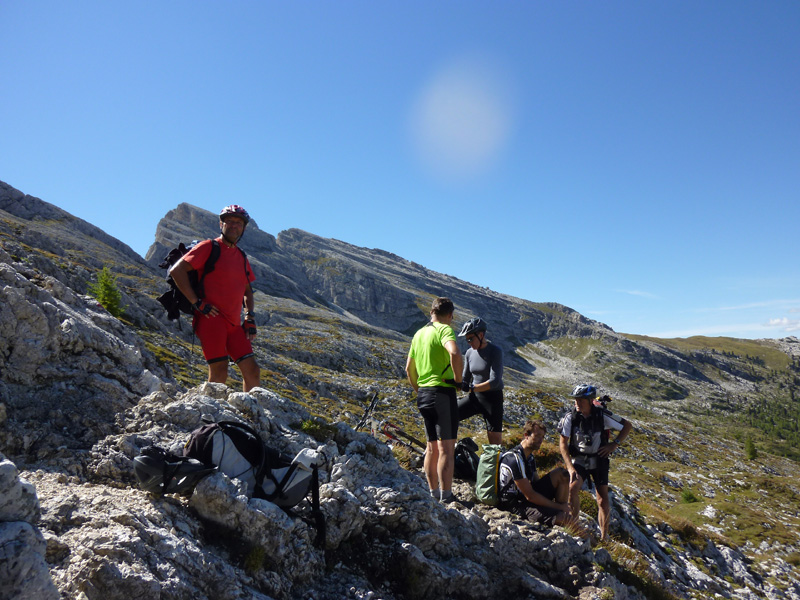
[636,161]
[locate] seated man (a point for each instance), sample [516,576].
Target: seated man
[544,500]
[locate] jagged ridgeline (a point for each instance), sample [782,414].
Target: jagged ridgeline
[704,503]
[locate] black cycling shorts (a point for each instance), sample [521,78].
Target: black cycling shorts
[599,474]
[439,409]
[488,404]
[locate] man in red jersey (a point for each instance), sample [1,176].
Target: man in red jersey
[218,301]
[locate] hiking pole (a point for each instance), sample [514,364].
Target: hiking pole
[368,412]
[396,440]
[386,426]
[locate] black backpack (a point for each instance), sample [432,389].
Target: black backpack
[173,299]
[466,459]
[238,451]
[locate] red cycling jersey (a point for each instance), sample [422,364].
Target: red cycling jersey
[225,286]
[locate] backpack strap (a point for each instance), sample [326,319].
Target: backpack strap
[573,447]
[212,259]
[246,274]
[244,256]
[316,511]
[208,267]
[599,424]
[280,485]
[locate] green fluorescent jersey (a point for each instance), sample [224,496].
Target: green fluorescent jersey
[430,356]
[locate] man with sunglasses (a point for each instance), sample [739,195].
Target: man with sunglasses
[483,379]
[433,367]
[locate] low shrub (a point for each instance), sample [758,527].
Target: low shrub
[688,496]
[548,456]
[318,429]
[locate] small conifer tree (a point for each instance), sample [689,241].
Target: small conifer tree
[107,293]
[750,449]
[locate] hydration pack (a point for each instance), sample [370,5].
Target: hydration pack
[487,484]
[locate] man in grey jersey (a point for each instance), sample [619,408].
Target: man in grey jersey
[483,379]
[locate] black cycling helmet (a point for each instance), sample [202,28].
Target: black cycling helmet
[234,210]
[475,325]
[584,391]
[158,475]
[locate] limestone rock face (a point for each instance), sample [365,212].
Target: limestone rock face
[61,228]
[24,573]
[19,501]
[69,366]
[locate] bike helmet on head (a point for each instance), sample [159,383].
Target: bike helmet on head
[475,325]
[584,391]
[234,210]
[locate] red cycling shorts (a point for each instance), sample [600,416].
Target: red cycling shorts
[220,339]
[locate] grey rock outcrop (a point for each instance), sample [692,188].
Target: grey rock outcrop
[68,366]
[386,538]
[24,573]
[118,542]
[61,227]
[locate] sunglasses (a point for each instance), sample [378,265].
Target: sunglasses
[471,338]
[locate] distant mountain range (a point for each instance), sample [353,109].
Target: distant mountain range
[335,322]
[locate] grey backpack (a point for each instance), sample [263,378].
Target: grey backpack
[238,451]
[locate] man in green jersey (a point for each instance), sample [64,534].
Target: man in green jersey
[434,369]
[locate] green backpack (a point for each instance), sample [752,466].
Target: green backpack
[488,482]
